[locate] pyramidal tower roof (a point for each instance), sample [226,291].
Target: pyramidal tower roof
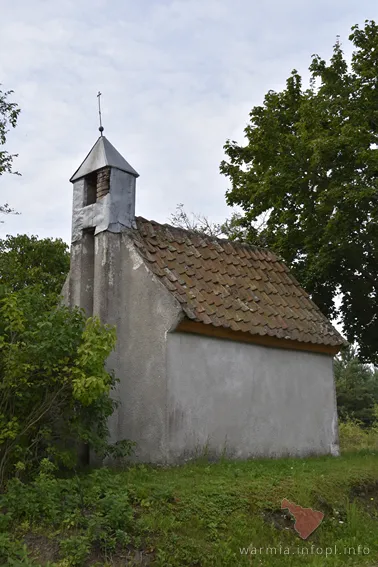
[103,154]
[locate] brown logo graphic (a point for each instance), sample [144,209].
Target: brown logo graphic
[306,519]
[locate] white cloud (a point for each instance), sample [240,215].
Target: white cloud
[178,78]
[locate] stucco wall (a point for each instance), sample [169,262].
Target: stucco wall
[128,295]
[247,400]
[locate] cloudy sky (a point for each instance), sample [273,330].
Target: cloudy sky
[178,78]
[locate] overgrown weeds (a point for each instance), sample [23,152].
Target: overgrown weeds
[354,437]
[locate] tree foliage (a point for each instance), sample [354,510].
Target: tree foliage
[27,261]
[54,388]
[356,388]
[7,210]
[9,112]
[307,181]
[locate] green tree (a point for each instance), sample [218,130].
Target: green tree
[307,181]
[55,394]
[27,261]
[356,388]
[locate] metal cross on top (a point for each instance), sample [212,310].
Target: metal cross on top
[99,112]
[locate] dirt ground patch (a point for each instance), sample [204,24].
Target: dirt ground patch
[45,550]
[42,548]
[280,519]
[367,497]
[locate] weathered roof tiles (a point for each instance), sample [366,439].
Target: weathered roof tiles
[232,285]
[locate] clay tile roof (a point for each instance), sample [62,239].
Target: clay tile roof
[232,285]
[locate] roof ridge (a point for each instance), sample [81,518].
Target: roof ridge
[211,237]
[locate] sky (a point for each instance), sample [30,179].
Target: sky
[178,78]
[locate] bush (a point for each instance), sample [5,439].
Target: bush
[54,389]
[93,511]
[354,437]
[75,549]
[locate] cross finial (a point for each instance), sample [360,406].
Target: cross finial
[99,112]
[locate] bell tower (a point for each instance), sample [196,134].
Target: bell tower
[104,191]
[103,203]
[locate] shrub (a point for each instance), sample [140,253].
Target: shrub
[75,549]
[354,437]
[87,512]
[54,389]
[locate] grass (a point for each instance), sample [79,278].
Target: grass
[199,514]
[206,514]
